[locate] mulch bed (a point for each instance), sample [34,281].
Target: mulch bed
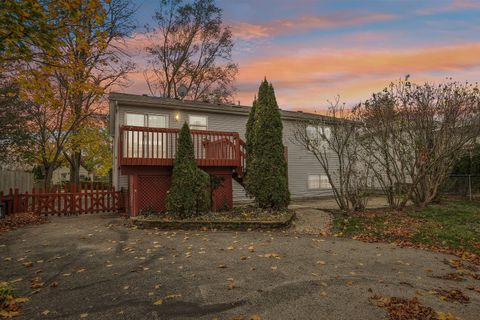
[236,219]
[19,220]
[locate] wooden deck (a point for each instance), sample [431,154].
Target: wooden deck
[157,147]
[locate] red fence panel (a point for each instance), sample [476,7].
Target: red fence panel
[73,199]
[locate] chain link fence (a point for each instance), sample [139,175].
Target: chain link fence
[463,186]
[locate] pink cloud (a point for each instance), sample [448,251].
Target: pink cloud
[454,5]
[247,31]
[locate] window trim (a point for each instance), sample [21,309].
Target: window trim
[198,115]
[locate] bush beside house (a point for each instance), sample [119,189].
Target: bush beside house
[190,190]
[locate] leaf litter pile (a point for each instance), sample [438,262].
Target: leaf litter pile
[408,309]
[435,228]
[19,220]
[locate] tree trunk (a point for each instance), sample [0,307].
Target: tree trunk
[75,168]
[47,183]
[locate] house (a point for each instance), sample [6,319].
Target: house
[145,130]
[62,175]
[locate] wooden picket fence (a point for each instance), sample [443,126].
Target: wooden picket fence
[69,200]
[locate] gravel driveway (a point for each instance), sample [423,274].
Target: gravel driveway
[95,267]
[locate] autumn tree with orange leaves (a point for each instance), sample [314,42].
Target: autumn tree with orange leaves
[68,86]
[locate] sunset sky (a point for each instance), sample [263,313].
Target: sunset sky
[313,50]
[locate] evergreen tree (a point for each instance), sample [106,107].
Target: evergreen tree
[267,176]
[250,137]
[189,193]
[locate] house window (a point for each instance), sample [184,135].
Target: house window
[146,120]
[145,144]
[318,135]
[317,182]
[156,121]
[197,122]
[135,119]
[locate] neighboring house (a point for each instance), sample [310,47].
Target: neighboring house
[62,175]
[145,132]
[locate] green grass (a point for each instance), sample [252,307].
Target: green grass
[453,224]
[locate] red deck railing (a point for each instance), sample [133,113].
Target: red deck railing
[157,146]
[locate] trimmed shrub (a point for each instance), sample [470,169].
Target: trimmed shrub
[189,193]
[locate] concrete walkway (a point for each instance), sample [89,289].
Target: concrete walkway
[312,221]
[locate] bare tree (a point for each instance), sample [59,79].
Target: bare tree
[415,133]
[190,47]
[333,141]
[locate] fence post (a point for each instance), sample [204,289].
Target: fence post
[15,201]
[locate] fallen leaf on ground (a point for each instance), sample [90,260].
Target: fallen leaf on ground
[452,295]
[408,309]
[8,314]
[36,283]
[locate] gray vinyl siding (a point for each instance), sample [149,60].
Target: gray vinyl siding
[301,162]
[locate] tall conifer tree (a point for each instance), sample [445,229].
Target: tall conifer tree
[250,143]
[267,176]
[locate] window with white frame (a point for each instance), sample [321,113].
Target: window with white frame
[145,144]
[324,183]
[198,122]
[313,181]
[135,119]
[317,182]
[318,135]
[156,121]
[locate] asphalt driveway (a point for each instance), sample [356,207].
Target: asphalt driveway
[96,267]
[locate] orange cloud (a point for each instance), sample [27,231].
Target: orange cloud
[349,63]
[307,79]
[247,31]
